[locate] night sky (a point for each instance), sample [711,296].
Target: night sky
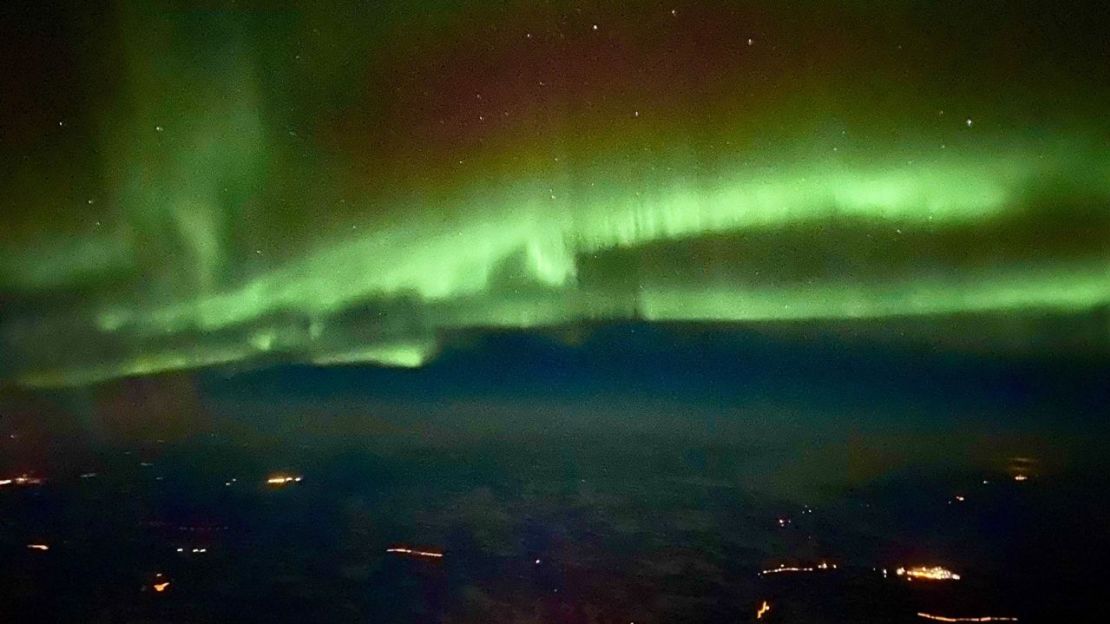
[192,185]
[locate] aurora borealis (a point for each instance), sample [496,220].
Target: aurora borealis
[196,184]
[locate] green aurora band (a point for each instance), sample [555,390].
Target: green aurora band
[245,189]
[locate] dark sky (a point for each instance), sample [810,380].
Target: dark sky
[194,185]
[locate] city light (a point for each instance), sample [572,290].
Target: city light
[160,583]
[763,609]
[986,618]
[934,573]
[283,479]
[415,553]
[38,547]
[22,479]
[783,568]
[1022,467]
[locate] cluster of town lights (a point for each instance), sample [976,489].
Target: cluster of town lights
[783,568]
[22,479]
[283,479]
[933,573]
[415,553]
[985,618]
